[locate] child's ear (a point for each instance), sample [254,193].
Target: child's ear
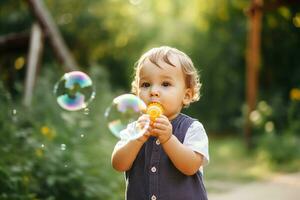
[187,97]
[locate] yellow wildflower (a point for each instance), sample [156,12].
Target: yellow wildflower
[39,153]
[295,94]
[19,63]
[47,132]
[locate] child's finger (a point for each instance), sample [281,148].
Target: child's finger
[159,126]
[147,133]
[162,118]
[144,117]
[156,132]
[143,120]
[160,123]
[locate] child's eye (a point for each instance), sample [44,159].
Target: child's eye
[145,84]
[166,84]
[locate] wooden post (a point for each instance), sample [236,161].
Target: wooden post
[34,57]
[252,61]
[58,45]
[14,41]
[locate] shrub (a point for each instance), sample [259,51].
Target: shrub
[49,153]
[281,147]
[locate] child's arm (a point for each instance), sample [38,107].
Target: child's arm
[123,157]
[184,159]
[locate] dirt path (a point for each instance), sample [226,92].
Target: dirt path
[280,187]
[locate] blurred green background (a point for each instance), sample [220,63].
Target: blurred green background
[49,153]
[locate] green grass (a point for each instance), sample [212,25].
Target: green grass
[232,164]
[230,160]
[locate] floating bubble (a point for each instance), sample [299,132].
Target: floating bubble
[123,114]
[14,111]
[14,115]
[63,147]
[74,91]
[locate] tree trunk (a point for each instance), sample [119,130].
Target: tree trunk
[47,23]
[252,62]
[34,58]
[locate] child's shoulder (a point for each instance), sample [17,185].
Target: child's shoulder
[194,122]
[187,117]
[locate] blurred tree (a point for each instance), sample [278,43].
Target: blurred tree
[218,49]
[50,29]
[115,33]
[280,71]
[252,61]
[253,50]
[14,20]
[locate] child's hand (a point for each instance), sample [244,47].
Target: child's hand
[162,129]
[142,121]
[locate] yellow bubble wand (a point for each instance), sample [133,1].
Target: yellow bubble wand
[154,110]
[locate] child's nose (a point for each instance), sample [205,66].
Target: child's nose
[154,92]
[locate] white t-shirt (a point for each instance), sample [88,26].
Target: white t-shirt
[195,138]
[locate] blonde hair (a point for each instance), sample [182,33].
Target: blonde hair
[164,52]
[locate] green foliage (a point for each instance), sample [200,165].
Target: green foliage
[279,72]
[294,116]
[281,151]
[14,16]
[230,153]
[115,33]
[219,55]
[49,153]
[280,147]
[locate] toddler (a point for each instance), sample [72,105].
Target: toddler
[166,163]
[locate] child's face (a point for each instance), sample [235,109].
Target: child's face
[165,85]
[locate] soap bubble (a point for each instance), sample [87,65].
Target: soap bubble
[74,91]
[122,116]
[14,115]
[63,147]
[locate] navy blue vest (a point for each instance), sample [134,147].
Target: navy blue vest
[154,177]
